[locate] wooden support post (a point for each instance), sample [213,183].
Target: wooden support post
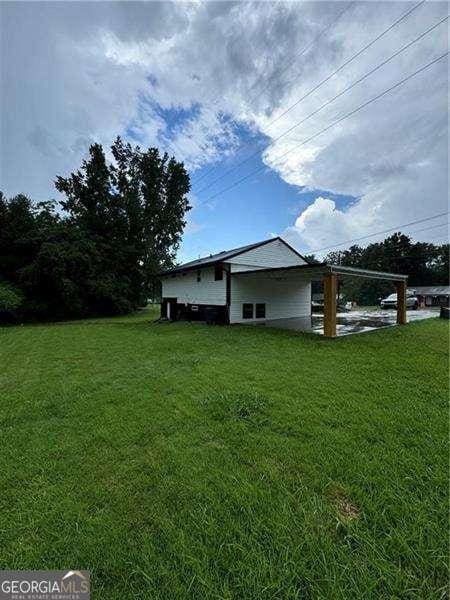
[329,304]
[401,302]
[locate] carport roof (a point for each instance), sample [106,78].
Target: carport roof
[320,269]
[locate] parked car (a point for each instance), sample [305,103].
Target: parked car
[391,302]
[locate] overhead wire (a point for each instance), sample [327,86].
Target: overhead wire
[333,124]
[330,101]
[284,69]
[390,229]
[344,64]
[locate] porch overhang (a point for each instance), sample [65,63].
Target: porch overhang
[318,270]
[330,274]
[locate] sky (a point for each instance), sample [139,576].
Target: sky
[237,91]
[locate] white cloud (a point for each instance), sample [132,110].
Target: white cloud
[94,70]
[322,223]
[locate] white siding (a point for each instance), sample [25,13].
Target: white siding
[284,298]
[241,268]
[272,254]
[186,289]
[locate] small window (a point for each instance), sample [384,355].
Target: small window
[260,311]
[247,311]
[218,273]
[199,276]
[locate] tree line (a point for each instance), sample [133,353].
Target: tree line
[97,251]
[424,263]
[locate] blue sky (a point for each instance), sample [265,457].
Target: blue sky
[212,82]
[259,208]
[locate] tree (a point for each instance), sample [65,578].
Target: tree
[424,263]
[97,223]
[11,299]
[153,189]
[18,229]
[120,224]
[133,210]
[439,264]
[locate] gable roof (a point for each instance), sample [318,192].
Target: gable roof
[226,255]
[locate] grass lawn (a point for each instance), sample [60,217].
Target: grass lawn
[186,461]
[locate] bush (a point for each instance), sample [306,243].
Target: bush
[10,300]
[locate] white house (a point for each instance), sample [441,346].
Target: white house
[264,281]
[215,283]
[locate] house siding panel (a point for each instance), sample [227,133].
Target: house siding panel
[284,298]
[186,289]
[240,268]
[273,254]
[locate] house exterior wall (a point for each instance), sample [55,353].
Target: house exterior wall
[284,298]
[240,268]
[186,289]
[437,295]
[273,254]
[436,300]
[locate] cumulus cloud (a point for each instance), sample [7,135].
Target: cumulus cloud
[323,223]
[391,156]
[93,70]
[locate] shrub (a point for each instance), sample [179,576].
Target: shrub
[10,300]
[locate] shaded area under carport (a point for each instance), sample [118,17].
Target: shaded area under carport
[330,274]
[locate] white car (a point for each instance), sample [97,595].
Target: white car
[391,302]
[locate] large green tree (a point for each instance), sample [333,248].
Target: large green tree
[99,253]
[134,211]
[153,189]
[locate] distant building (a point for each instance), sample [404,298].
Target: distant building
[432,295]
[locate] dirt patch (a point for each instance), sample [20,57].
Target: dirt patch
[346,508]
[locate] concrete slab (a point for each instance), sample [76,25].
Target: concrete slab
[355,321]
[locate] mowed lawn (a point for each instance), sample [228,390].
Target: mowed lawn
[178,460]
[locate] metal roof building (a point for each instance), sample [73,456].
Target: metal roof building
[432,295]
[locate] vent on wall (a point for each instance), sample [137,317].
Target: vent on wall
[261,311]
[247,311]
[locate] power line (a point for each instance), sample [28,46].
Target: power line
[428,228]
[379,66]
[411,233]
[345,63]
[351,59]
[339,120]
[308,47]
[396,228]
[284,69]
[392,257]
[393,254]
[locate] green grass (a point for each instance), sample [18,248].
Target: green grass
[187,461]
